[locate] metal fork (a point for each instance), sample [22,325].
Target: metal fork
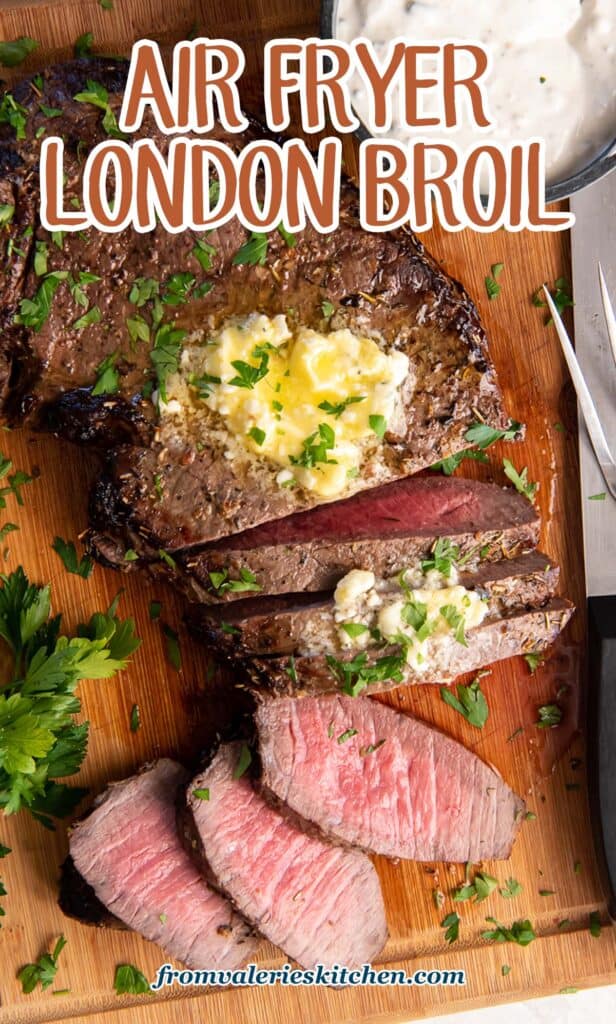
[587,406]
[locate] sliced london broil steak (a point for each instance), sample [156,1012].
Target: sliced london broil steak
[129,852]
[319,903]
[383,781]
[383,529]
[131,313]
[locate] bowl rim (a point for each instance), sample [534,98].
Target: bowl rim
[600,165]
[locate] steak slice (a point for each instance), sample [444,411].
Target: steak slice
[129,853]
[307,624]
[383,529]
[319,903]
[520,632]
[395,786]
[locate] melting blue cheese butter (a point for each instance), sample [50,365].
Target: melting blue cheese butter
[411,609]
[314,404]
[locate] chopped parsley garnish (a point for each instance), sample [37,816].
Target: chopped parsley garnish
[166,558]
[336,409]
[451,924]
[257,435]
[244,762]
[204,384]
[97,95]
[533,659]
[40,740]
[7,211]
[203,253]
[550,715]
[247,374]
[35,311]
[129,980]
[478,890]
[289,238]
[443,556]
[93,316]
[594,924]
[107,376]
[43,972]
[201,794]
[378,424]
[521,932]
[470,703]
[520,480]
[315,451]
[135,718]
[355,675]
[107,5]
[77,286]
[481,435]
[178,289]
[354,629]
[130,555]
[6,529]
[492,286]
[154,610]
[14,52]
[166,353]
[511,889]
[290,670]
[253,251]
[455,620]
[83,45]
[14,114]
[597,497]
[328,308]
[143,289]
[346,735]
[172,644]
[77,566]
[561,294]
[40,258]
[138,328]
[223,584]
[371,748]
[15,482]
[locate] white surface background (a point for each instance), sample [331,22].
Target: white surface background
[592,1006]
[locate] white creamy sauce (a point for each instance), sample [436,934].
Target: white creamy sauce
[553,73]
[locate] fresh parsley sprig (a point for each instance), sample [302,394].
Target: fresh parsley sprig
[39,739]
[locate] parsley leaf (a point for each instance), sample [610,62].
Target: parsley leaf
[478,890]
[520,480]
[93,316]
[378,424]
[560,292]
[83,45]
[201,794]
[443,556]
[550,715]
[521,932]
[66,550]
[13,53]
[166,353]
[107,377]
[328,308]
[178,288]
[492,286]
[253,251]
[451,923]
[244,761]
[470,703]
[43,971]
[7,211]
[222,583]
[172,642]
[511,889]
[355,675]
[336,409]
[533,659]
[316,451]
[35,311]
[203,253]
[14,114]
[97,96]
[129,980]
[247,373]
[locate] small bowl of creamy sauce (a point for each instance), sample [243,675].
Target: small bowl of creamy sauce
[553,71]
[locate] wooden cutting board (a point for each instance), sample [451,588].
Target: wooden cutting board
[181,710]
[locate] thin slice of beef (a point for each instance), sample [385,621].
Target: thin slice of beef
[306,624]
[319,903]
[369,776]
[128,852]
[383,529]
[520,632]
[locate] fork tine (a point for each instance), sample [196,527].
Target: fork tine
[608,309]
[587,406]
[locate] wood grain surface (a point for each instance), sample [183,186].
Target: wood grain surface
[180,711]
